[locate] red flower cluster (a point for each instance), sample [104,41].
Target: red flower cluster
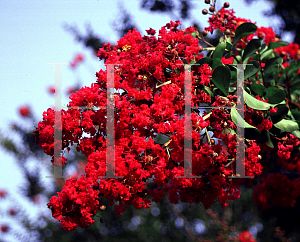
[246,236]
[266,34]
[76,203]
[276,190]
[223,20]
[152,76]
[289,153]
[291,50]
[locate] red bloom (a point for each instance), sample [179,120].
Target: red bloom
[79,58]
[276,190]
[246,236]
[25,111]
[267,34]
[51,89]
[2,193]
[273,110]
[75,204]
[4,228]
[227,61]
[151,31]
[12,212]
[292,50]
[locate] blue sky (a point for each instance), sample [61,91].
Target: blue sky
[32,36]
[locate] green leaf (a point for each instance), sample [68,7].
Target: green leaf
[281,113]
[295,113]
[243,30]
[258,89]
[273,45]
[205,60]
[161,139]
[275,95]
[207,89]
[252,102]
[228,130]
[297,133]
[216,63]
[270,70]
[274,61]
[272,65]
[221,78]
[239,58]
[287,125]
[194,34]
[265,55]
[251,69]
[250,131]
[263,47]
[192,62]
[251,48]
[269,142]
[228,46]
[233,77]
[219,51]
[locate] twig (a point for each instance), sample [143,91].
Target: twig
[209,48]
[203,40]
[228,164]
[206,116]
[208,139]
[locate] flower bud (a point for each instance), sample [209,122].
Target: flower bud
[24,111]
[226,5]
[204,11]
[212,9]
[4,228]
[207,1]
[204,33]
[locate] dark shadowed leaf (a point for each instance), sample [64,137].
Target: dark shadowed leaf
[251,69]
[219,51]
[273,45]
[280,114]
[243,30]
[258,88]
[274,95]
[221,78]
[251,48]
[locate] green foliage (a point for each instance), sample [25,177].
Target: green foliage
[221,78]
[244,30]
[251,48]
